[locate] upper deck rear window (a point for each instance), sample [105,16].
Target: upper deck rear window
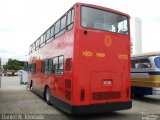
[103,20]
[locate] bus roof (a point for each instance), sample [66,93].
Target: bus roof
[146,54]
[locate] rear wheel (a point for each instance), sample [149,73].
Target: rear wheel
[47,96]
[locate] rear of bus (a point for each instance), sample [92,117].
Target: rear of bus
[101,62]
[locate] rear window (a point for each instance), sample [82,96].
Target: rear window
[104,20]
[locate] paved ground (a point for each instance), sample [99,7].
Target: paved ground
[16,99]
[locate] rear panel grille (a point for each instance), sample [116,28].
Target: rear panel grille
[106,95]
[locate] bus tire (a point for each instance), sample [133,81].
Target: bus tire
[47,95]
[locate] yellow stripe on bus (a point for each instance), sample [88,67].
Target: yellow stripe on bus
[152,81]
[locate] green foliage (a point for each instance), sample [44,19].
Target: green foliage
[13,64]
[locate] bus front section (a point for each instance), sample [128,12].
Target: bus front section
[101,77]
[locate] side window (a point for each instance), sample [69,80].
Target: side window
[57,27]
[48,34]
[50,64]
[52,31]
[63,23]
[46,66]
[70,19]
[29,68]
[42,67]
[135,64]
[33,46]
[55,65]
[60,27]
[41,41]
[145,63]
[37,44]
[61,64]
[58,65]
[44,37]
[33,68]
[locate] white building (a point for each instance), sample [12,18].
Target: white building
[136,34]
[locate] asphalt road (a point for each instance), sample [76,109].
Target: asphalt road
[19,100]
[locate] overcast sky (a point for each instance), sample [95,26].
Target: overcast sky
[23,21]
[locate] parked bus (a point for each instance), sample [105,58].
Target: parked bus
[145,74]
[81,64]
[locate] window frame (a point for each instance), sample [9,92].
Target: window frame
[135,59]
[42,43]
[37,43]
[61,31]
[48,34]
[52,34]
[70,25]
[43,67]
[32,68]
[58,64]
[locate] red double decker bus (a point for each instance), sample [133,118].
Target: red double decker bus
[81,64]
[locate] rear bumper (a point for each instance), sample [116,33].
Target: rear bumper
[89,109]
[101,108]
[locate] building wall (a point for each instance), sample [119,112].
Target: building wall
[138,36]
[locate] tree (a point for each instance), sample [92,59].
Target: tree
[12,64]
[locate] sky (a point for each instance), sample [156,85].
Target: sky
[23,21]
